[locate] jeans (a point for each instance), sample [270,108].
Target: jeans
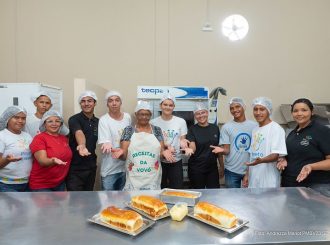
[233,180]
[60,187]
[113,182]
[13,187]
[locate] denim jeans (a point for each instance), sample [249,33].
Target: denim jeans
[233,180]
[13,187]
[60,187]
[113,182]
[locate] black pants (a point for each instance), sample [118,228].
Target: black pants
[81,179]
[204,180]
[172,175]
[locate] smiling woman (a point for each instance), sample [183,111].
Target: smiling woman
[52,155]
[15,155]
[308,149]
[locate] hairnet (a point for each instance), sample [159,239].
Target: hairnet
[263,101]
[143,105]
[237,100]
[9,113]
[52,113]
[36,95]
[112,93]
[200,106]
[87,93]
[167,96]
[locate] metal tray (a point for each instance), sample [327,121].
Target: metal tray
[176,199]
[146,224]
[240,224]
[128,204]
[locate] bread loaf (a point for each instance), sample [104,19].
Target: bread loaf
[214,214]
[150,205]
[179,194]
[124,219]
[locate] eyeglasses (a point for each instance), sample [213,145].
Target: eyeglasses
[53,121]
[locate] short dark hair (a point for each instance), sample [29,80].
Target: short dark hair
[305,101]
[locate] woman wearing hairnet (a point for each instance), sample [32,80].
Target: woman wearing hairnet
[142,146]
[203,164]
[15,155]
[268,144]
[174,131]
[52,155]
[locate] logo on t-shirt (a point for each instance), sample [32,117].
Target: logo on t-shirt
[243,142]
[305,141]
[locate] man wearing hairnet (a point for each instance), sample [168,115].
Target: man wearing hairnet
[43,102]
[268,144]
[235,141]
[110,128]
[82,140]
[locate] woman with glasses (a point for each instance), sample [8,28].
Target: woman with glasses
[203,164]
[142,146]
[15,154]
[52,155]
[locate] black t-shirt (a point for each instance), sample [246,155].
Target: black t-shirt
[203,160]
[309,145]
[90,129]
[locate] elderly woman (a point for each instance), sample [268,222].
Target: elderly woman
[142,146]
[15,155]
[52,155]
[308,149]
[203,164]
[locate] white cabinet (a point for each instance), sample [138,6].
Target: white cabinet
[20,94]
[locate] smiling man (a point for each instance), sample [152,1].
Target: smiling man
[268,144]
[83,137]
[235,141]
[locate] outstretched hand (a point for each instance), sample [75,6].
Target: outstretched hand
[12,158]
[116,152]
[106,148]
[83,151]
[305,171]
[217,149]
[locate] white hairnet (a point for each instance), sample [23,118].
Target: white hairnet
[52,113]
[36,95]
[263,101]
[112,93]
[237,100]
[9,113]
[87,93]
[143,105]
[200,106]
[167,96]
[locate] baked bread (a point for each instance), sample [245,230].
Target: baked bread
[214,214]
[150,205]
[124,219]
[179,194]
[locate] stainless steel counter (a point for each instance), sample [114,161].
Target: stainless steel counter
[284,215]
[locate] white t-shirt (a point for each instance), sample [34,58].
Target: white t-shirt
[17,145]
[32,125]
[172,131]
[238,135]
[110,131]
[266,140]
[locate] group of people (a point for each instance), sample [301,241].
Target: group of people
[39,153]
